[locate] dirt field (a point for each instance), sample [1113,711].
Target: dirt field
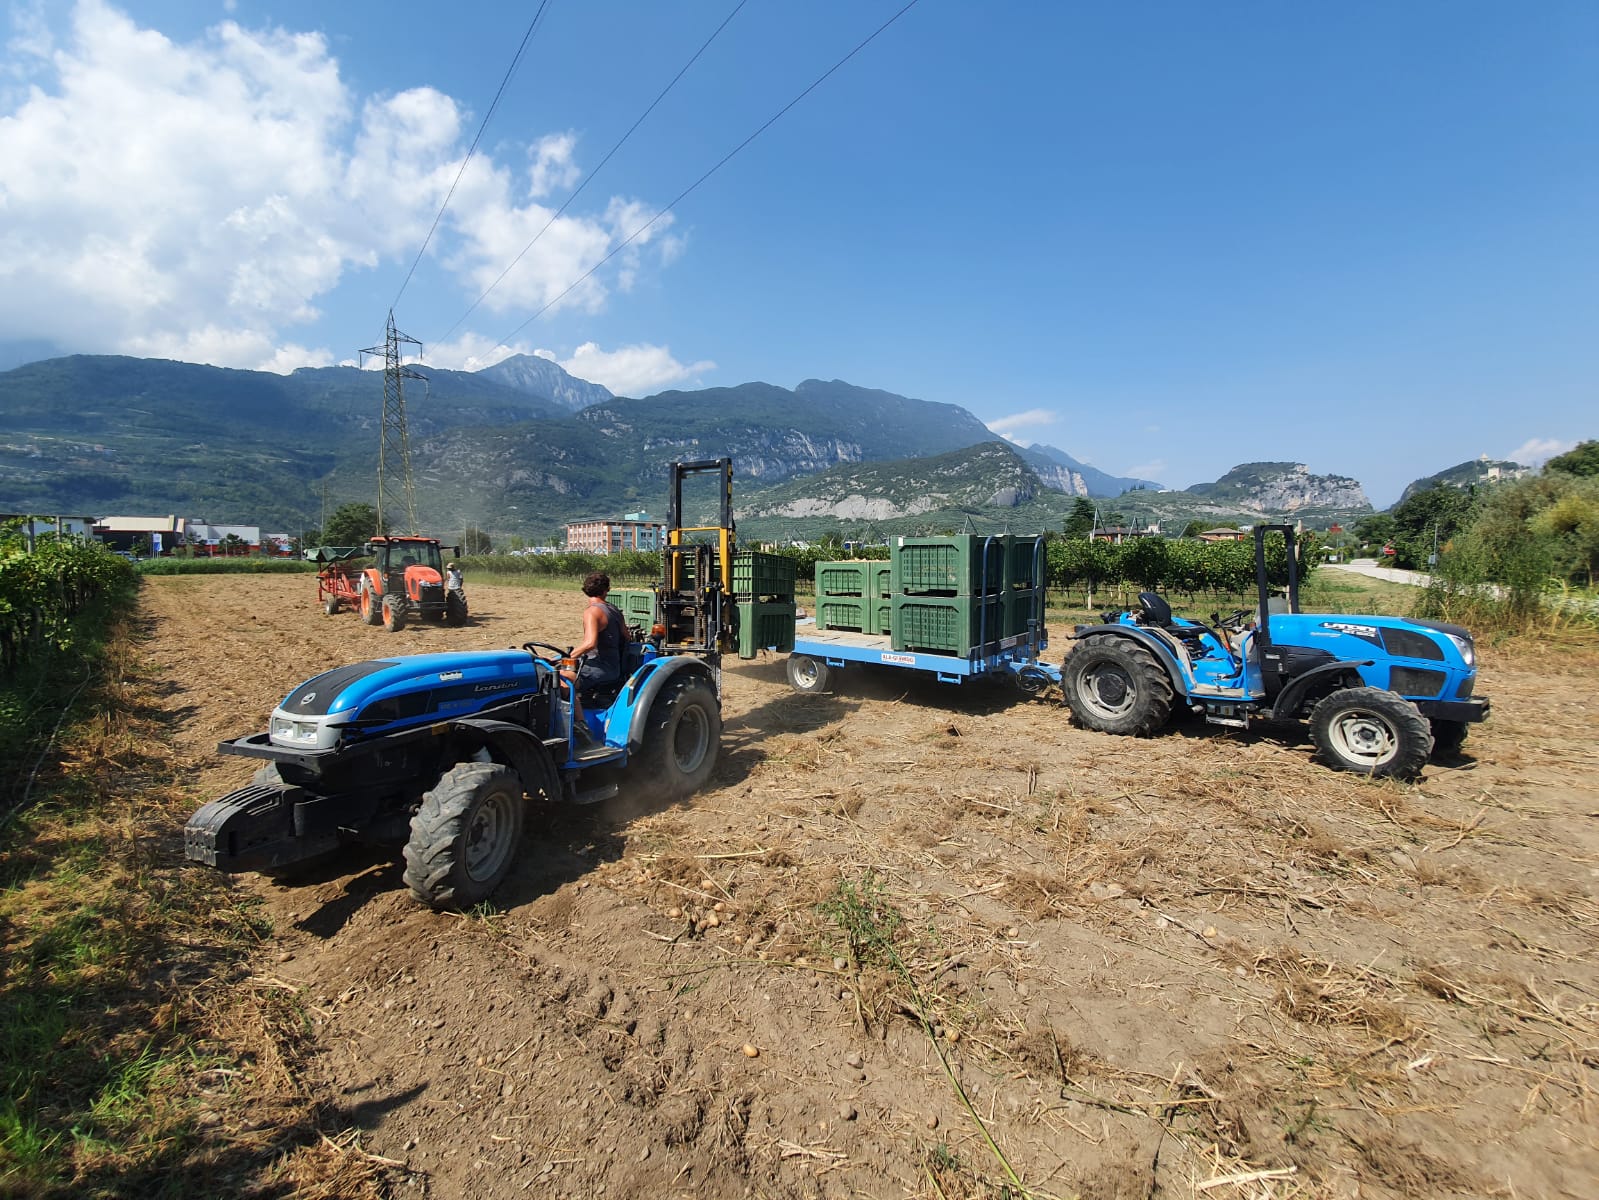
[1197,965]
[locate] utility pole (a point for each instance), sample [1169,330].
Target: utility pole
[396,495]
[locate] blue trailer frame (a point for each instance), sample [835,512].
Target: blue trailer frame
[836,649]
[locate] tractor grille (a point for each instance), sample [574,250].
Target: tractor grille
[1413,681]
[1407,643]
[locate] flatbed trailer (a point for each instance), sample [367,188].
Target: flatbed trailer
[818,653]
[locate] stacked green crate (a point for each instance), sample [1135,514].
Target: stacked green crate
[956,625]
[949,593]
[637,605]
[841,599]
[757,573]
[765,625]
[1024,564]
[763,586]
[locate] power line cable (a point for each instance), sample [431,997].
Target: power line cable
[719,165]
[587,179]
[509,71]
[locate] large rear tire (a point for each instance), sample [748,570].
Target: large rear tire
[807,674]
[393,614]
[681,740]
[1115,685]
[1371,731]
[465,834]
[371,606]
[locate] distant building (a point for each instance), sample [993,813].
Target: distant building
[33,525]
[205,538]
[121,533]
[635,531]
[1222,535]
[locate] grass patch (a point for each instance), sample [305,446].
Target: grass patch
[131,1061]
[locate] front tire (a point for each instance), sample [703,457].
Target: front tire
[454,608]
[807,674]
[465,834]
[1371,731]
[682,739]
[1115,685]
[371,606]
[393,614]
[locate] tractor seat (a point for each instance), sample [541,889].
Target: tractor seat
[1157,612]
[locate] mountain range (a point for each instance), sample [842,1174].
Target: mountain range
[522,447]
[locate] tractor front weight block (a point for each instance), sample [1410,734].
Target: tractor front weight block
[253,828]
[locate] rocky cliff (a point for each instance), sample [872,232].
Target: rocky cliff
[1282,488]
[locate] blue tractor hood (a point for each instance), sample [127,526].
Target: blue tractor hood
[387,693]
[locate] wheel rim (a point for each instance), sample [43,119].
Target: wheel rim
[1106,690]
[806,674]
[486,845]
[1362,736]
[691,739]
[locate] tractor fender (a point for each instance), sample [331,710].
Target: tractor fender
[659,670]
[524,752]
[1163,651]
[1292,696]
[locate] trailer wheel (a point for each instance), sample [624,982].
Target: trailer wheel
[1114,685]
[1371,731]
[371,606]
[681,740]
[331,606]
[464,837]
[454,608]
[1447,739]
[807,674]
[393,614]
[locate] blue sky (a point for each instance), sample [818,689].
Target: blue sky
[1165,237]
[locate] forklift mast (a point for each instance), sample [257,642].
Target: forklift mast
[695,596]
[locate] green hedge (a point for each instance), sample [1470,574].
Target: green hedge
[226,566]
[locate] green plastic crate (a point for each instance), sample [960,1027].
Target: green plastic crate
[882,615]
[637,605]
[846,578]
[955,565]
[765,625]
[843,612]
[880,581]
[947,624]
[757,573]
[1021,605]
[1022,561]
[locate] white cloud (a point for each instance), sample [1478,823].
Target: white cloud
[1006,426]
[1535,451]
[552,164]
[632,370]
[203,198]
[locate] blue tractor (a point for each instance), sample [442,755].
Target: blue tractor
[443,751]
[1382,695]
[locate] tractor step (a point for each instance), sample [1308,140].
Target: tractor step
[595,795]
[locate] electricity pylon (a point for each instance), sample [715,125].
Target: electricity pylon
[395,491]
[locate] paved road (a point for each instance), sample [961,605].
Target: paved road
[1369,566]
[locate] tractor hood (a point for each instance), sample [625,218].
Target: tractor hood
[388,693]
[1417,659]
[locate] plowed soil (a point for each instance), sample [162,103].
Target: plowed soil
[918,940]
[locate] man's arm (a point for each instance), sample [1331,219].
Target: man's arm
[593,623]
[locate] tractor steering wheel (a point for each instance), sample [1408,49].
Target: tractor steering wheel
[555,651]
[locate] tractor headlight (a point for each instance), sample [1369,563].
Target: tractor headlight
[285,730]
[1464,645]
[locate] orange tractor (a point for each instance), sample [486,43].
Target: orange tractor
[404,580]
